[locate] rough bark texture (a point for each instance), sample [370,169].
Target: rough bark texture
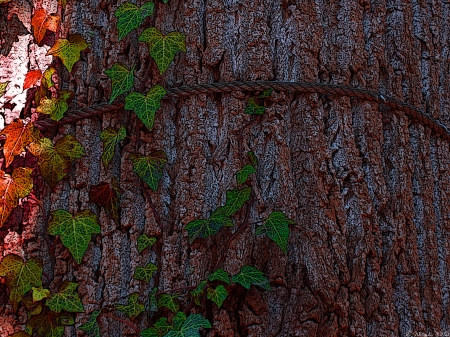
[369,191]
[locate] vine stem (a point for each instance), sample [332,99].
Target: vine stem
[152,206]
[124,321]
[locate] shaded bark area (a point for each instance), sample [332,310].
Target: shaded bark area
[369,191]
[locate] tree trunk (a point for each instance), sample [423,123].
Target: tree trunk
[368,189]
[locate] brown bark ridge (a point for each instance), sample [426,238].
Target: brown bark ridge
[369,191]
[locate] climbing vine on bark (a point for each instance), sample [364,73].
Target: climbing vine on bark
[49,312]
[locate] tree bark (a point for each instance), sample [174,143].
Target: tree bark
[369,254]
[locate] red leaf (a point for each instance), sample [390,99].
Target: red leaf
[106,197]
[42,21]
[31,78]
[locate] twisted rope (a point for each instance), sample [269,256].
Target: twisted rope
[303,87]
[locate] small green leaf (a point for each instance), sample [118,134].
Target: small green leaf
[149,168]
[40,293]
[220,275]
[178,320]
[68,50]
[55,107]
[74,231]
[110,138]
[145,273]
[217,295]
[249,275]
[67,299]
[243,174]
[190,327]
[253,159]
[20,276]
[3,86]
[122,79]
[159,329]
[133,307]
[236,199]
[145,106]
[91,327]
[198,292]
[277,228]
[145,241]
[266,93]
[203,228]
[130,16]
[163,47]
[253,108]
[170,302]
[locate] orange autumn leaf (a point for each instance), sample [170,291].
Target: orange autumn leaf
[42,21]
[31,78]
[18,136]
[12,188]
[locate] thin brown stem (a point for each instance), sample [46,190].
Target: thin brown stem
[124,321]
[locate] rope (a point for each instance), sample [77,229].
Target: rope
[303,87]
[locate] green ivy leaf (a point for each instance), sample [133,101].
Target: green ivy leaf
[145,106]
[54,160]
[217,295]
[122,79]
[277,229]
[3,86]
[190,327]
[220,275]
[152,302]
[170,302]
[47,324]
[66,299]
[20,276]
[39,293]
[145,241]
[130,16]
[55,107]
[201,228]
[243,174]
[249,275]
[91,327]
[75,231]
[253,108]
[68,50]
[159,329]
[145,273]
[133,307]
[198,292]
[110,138]
[253,159]
[150,168]
[236,199]
[163,47]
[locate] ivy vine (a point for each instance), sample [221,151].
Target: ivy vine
[49,312]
